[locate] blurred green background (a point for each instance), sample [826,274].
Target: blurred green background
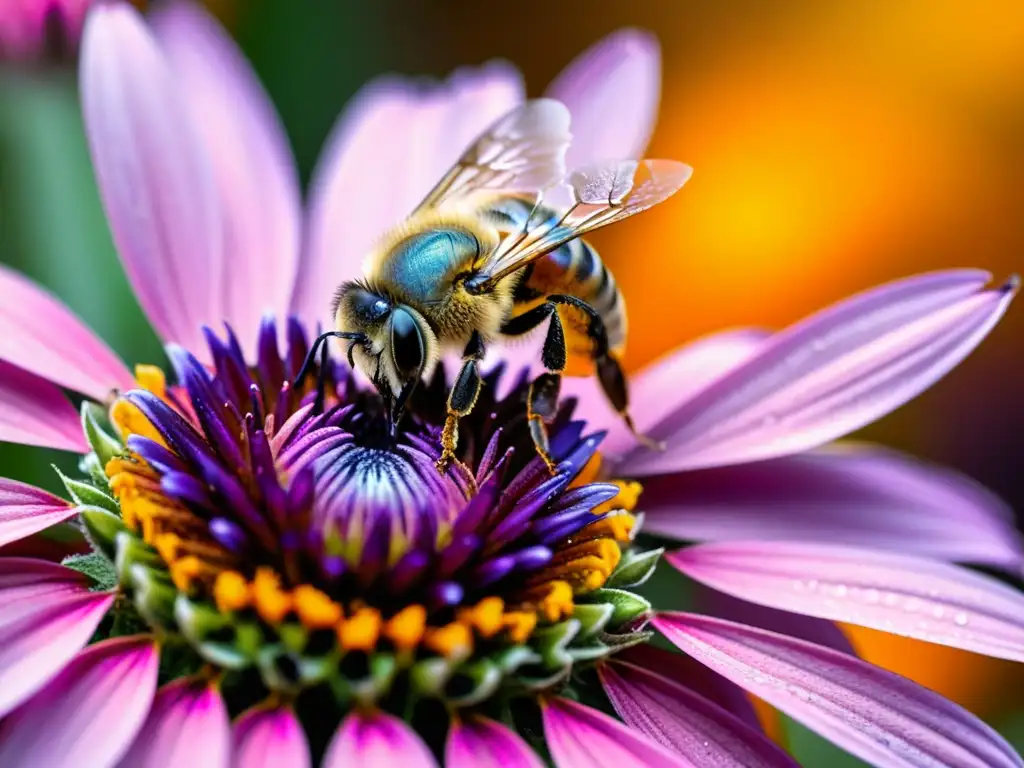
[836,145]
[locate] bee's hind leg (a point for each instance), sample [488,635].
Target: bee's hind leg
[461,399]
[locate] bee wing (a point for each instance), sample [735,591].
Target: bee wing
[602,194]
[524,151]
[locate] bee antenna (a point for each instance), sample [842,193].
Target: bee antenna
[320,340]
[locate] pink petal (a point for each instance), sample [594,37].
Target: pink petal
[88,714]
[268,738]
[153,174]
[859,495]
[251,161]
[612,90]
[674,716]
[686,671]
[47,614]
[393,142]
[41,335]
[186,728]
[880,717]
[902,594]
[662,385]
[375,738]
[481,743]
[25,510]
[813,630]
[830,374]
[580,736]
[35,412]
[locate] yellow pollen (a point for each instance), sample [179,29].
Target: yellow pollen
[405,629]
[231,592]
[590,472]
[360,631]
[316,610]
[451,640]
[629,495]
[485,616]
[271,602]
[152,379]
[557,603]
[519,625]
[129,420]
[617,525]
[183,571]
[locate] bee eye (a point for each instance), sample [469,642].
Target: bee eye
[369,307]
[407,347]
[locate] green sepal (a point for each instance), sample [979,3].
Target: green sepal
[88,495]
[293,636]
[429,676]
[512,658]
[621,642]
[628,606]
[248,638]
[129,550]
[154,595]
[383,667]
[105,446]
[551,642]
[481,679]
[269,661]
[102,528]
[316,669]
[593,618]
[213,636]
[97,567]
[635,568]
[90,465]
[593,652]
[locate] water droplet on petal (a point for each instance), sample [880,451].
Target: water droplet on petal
[961,619]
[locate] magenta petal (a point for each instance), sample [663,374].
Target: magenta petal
[393,142]
[186,728]
[612,91]
[47,614]
[859,495]
[25,510]
[580,736]
[88,714]
[674,716]
[902,594]
[482,743]
[373,739]
[35,412]
[251,161]
[269,738]
[830,374]
[707,684]
[874,714]
[41,335]
[153,174]
[661,386]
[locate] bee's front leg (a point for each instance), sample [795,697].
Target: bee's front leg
[461,399]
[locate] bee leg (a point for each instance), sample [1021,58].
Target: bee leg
[542,399]
[461,399]
[609,371]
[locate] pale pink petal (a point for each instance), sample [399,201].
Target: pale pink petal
[35,412]
[612,90]
[878,716]
[674,716]
[25,510]
[681,669]
[269,738]
[374,738]
[481,743]
[860,495]
[394,141]
[251,160]
[47,613]
[580,736]
[813,630]
[830,374]
[88,714]
[153,175]
[902,594]
[661,386]
[41,335]
[186,728]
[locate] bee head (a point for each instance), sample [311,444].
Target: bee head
[400,345]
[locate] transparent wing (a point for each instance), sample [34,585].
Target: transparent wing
[602,194]
[524,151]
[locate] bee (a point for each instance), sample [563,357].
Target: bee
[484,258]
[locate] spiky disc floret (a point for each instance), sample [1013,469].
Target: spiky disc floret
[309,554]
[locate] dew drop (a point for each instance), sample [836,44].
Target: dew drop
[960,619]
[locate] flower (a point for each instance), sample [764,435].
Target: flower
[29,28]
[271,583]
